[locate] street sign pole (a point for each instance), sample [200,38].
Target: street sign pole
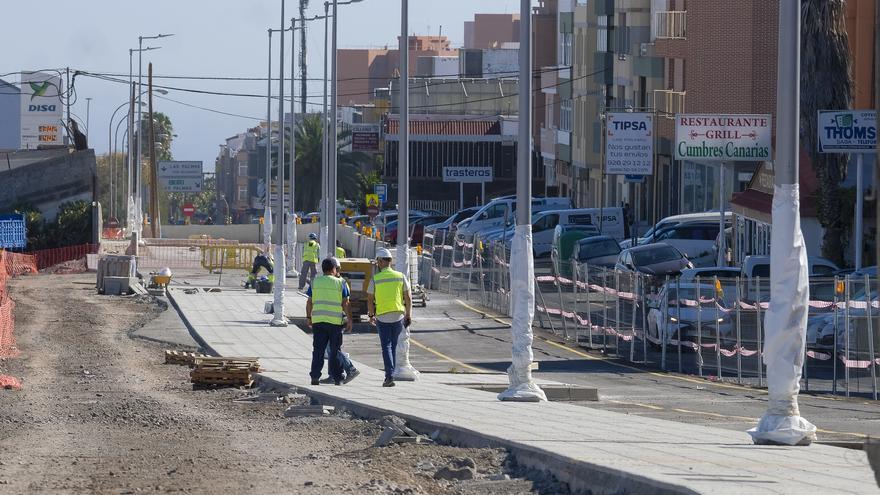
[860,204]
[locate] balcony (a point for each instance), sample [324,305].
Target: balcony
[670,25]
[667,102]
[548,142]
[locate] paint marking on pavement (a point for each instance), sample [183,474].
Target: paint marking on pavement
[450,359]
[639,404]
[615,363]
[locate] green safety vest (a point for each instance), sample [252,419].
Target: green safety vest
[340,252]
[310,251]
[388,295]
[327,300]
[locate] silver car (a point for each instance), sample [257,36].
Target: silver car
[683,309]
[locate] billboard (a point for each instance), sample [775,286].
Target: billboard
[469,175]
[13,233]
[850,131]
[735,138]
[629,143]
[41,110]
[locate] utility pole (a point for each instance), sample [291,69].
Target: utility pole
[291,219]
[267,210]
[325,137]
[278,319]
[303,71]
[330,212]
[522,274]
[154,173]
[786,318]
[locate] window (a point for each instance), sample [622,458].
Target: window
[602,34]
[566,48]
[243,193]
[546,223]
[565,115]
[622,42]
[823,270]
[496,211]
[242,170]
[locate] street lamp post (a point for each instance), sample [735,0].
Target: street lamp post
[785,322]
[522,272]
[267,210]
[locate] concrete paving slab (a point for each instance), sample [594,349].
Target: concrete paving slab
[592,449]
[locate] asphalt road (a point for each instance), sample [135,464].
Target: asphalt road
[449,336]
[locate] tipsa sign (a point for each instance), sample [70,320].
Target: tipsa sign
[703,138]
[468,174]
[849,131]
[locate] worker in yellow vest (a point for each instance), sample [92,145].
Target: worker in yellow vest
[263,259]
[389,306]
[326,310]
[310,260]
[340,251]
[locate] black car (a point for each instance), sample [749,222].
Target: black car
[658,260]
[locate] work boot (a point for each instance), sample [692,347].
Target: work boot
[315,381]
[389,382]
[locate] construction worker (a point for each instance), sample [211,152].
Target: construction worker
[310,260]
[261,260]
[328,304]
[340,251]
[389,306]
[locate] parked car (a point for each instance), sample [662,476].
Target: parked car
[696,240]
[820,270]
[565,237]
[416,228]
[820,328]
[596,251]
[494,213]
[658,260]
[673,220]
[451,222]
[682,311]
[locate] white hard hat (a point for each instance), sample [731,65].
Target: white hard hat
[165,272]
[383,253]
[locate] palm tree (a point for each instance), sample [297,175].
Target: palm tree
[309,142]
[827,85]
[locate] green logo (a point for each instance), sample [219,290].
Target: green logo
[39,89]
[844,120]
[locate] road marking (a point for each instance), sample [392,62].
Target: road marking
[450,359]
[615,363]
[639,404]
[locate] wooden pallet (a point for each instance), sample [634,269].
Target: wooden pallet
[224,371]
[182,358]
[245,363]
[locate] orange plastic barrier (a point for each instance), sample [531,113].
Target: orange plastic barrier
[11,265]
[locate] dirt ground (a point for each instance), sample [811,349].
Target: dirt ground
[99,413]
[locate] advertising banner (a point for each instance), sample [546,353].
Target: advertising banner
[850,131]
[41,110]
[743,138]
[13,233]
[629,143]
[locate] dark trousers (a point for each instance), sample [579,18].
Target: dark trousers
[307,273]
[324,334]
[261,262]
[388,334]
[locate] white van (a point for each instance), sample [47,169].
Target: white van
[493,214]
[545,222]
[706,216]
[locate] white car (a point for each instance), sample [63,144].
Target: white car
[683,309]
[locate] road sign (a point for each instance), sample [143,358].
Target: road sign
[852,131]
[735,138]
[470,175]
[629,143]
[372,201]
[188,210]
[181,184]
[635,179]
[13,231]
[381,190]
[175,169]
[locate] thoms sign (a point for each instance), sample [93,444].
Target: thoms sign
[703,138]
[849,131]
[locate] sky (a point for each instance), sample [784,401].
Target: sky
[211,38]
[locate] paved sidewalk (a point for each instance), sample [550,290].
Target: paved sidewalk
[593,449]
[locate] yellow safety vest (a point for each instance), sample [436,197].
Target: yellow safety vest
[310,251]
[340,252]
[327,300]
[388,294]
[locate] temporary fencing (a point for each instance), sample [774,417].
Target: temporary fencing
[11,265]
[704,326]
[50,257]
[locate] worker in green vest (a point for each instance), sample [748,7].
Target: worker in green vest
[340,251]
[326,310]
[310,260]
[389,306]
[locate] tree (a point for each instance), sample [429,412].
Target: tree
[827,85]
[309,142]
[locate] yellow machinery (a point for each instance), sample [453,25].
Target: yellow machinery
[357,272]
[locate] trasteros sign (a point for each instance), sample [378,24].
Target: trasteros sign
[702,138]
